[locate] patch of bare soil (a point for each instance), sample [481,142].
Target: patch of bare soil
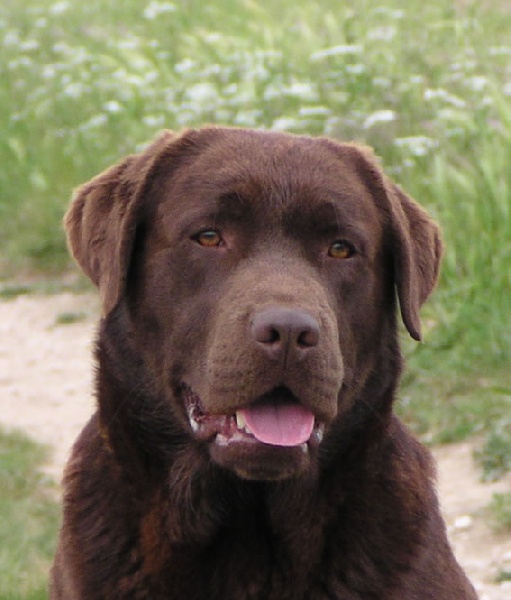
[45,390]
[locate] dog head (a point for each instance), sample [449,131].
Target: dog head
[257,273]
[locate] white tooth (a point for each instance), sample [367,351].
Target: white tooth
[319,433]
[304,448]
[194,424]
[247,429]
[240,420]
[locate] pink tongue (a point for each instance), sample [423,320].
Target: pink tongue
[279,424]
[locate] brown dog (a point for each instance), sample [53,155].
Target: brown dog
[244,446]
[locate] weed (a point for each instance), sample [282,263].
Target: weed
[67,318]
[13,291]
[504,575]
[28,519]
[500,509]
[495,455]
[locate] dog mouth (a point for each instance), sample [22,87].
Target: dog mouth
[276,419]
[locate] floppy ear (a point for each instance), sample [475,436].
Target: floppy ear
[102,220]
[415,237]
[417,251]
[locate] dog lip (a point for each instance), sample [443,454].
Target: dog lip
[227,429]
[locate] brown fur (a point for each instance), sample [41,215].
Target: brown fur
[154,511]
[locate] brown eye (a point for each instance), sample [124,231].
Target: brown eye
[341,249]
[209,238]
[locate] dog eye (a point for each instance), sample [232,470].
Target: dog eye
[341,249]
[209,238]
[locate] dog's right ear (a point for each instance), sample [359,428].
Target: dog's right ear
[102,221]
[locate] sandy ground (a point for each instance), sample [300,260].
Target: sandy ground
[45,389]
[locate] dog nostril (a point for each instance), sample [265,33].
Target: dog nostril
[309,338]
[265,333]
[274,336]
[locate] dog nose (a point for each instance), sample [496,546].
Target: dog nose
[285,334]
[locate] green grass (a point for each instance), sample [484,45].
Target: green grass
[28,519]
[495,456]
[428,84]
[500,509]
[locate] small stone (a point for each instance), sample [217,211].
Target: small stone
[463,523]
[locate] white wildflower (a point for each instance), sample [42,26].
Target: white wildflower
[242,97]
[440,94]
[418,145]
[59,8]
[382,34]
[247,118]
[286,123]
[112,106]
[213,69]
[11,38]
[389,12]
[94,122]
[382,82]
[80,56]
[213,37]
[357,69]
[131,43]
[49,71]
[379,116]
[155,9]
[23,61]
[477,83]
[151,76]
[61,47]
[231,89]
[257,72]
[154,121]
[303,90]
[500,51]
[185,66]
[453,115]
[73,89]
[202,93]
[29,45]
[38,180]
[314,111]
[343,50]
[272,91]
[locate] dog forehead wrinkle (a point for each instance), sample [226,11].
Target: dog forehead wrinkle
[271,159]
[271,174]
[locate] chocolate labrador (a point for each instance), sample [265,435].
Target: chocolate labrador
[244,445]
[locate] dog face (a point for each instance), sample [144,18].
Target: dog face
[257,275]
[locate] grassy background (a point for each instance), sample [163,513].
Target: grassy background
[28,519]
[428,85]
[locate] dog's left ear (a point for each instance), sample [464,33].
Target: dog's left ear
[414,237]
[417,248]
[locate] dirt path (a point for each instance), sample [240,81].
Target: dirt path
[45,389]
